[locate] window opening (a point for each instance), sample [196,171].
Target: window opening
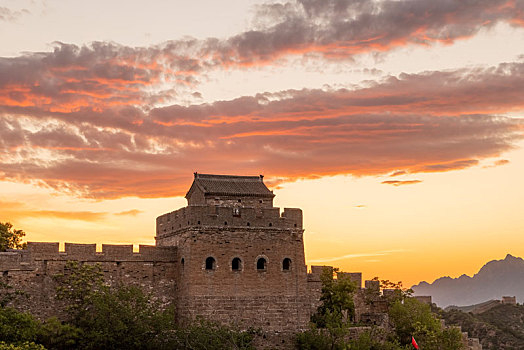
[261,264]
[236,264]
[211,263]
[286,264]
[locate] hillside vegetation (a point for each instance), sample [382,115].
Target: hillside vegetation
[501,327]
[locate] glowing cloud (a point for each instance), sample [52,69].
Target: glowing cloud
[410,123]
[401,183]
[354,256]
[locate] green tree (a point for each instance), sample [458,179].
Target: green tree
[374,340]
[122,317]
[21,346]
[77,286]
[57,335]
[17,327]
[203,334]
[331,322]
[10,238]
[411,317]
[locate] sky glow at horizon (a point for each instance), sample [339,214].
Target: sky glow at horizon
[395,125]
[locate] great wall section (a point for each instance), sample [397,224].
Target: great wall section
[229,256]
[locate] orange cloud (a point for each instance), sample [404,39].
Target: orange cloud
[501,162]
[400,183]
[101,75]
[132,212]
[427,122]
[17,210]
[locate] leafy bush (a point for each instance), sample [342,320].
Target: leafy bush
[202,334]
[16,326]
[21,346]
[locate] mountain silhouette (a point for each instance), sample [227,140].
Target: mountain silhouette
[495,279]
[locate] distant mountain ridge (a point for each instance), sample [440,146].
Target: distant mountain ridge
[495,279]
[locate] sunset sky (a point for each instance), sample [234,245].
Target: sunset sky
[397,126]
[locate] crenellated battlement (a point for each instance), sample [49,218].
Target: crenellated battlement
[87,252]
[227,216]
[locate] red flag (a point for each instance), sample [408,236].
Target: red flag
[414,343]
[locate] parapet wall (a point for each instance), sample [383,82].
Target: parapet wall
[87,252]
[205,215]
[31,271]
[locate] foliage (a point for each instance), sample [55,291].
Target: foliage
[8,293]
[17,326]
[21,346]
[58,335]
[501,327]
[370,340]
[316,339]
[330,325]
[411,317]
[10,238]
[334,316]
[203,334]
[393,291]
[78,285]
[337,308]
[101,317]
[123,317]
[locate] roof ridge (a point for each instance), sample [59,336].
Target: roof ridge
[219,176]
[231,185]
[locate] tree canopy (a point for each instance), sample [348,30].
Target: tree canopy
[10,238]
[330,326]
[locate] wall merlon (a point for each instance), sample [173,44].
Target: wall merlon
[117,250]
[87,252]
[372,285]
[80,249]
[292,214]
[316,271]
[43,247]
[355,277]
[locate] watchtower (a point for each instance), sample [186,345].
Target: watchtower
[241,260]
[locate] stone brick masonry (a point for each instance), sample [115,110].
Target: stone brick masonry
[229,256]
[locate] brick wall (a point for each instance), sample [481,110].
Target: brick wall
[273,299]
[31,271]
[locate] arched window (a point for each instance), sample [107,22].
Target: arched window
[211,263]
[261,264]
[286,264]
[236,264]
[182,262]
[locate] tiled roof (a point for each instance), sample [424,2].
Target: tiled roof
[231,185]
